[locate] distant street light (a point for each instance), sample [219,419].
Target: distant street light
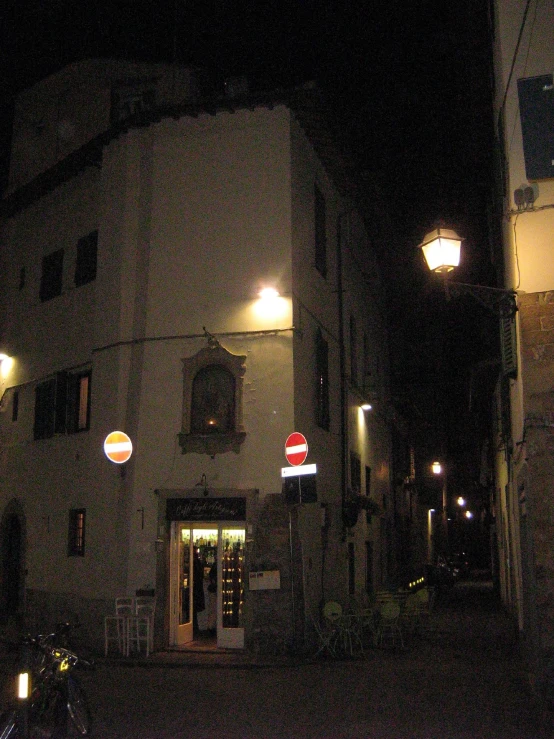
[461,501]
[437,469]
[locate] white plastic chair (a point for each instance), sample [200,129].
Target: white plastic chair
[140,626]
[115,625]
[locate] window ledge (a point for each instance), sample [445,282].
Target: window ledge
[212,443]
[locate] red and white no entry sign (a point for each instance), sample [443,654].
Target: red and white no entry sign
[296,448]
[118,447]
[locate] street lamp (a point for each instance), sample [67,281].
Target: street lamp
[438,469]
[441,249]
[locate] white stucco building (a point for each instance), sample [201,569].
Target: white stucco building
[139,226]
[524,116]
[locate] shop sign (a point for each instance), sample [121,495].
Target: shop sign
[206,509]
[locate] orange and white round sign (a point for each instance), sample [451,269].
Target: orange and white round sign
[118,447]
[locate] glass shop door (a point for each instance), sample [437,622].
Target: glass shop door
[181,590]
[207,576]
[230,628]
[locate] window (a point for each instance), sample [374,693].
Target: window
[322,381]
[45,409]
[353,352]
[76,534]
[78,402]
[369,567]
[62,404]
[15,405]
[355,474]
[85,266]
[366,380]
[536,104]
[52,273]
[351,568]
[213,401]
[320,219]
[368,514]
[508,345]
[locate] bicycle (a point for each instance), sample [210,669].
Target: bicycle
[50,702]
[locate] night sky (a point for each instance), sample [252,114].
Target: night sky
[409,81]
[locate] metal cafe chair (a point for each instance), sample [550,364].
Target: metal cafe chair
[325,637]
[327,629]
[115,624]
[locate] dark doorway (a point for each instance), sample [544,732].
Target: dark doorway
[12,546]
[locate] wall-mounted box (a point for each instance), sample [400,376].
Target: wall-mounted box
[265,580]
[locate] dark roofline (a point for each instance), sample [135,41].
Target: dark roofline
[307,104]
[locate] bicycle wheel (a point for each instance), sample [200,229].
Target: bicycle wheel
[8,725]
[78,707]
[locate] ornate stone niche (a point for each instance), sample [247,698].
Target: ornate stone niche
[212,401]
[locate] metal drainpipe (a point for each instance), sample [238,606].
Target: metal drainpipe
[342,362]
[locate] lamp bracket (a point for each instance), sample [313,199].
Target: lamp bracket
[501,302]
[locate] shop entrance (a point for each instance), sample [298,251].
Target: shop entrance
[207,583]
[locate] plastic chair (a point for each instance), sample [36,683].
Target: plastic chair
[411,613]
[140,626]
[389,629]
[332,611]
[115,625]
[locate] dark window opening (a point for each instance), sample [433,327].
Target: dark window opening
[366,379]
[62,404]
[76,535]
[368,490]
[355,474]
[213,401]
[353,352]
[369,567]
[52,273]
[322,382]
[85,266]
[45,409]
[320,232]
[351,569]
[15,405]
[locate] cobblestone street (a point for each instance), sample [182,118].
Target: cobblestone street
[464,681]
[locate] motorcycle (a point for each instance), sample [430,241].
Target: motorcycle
[49,702]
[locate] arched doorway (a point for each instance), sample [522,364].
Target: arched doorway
[11,562]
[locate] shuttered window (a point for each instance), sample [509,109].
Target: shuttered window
[508,345]
[322,381]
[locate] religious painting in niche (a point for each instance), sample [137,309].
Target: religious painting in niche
[213,401]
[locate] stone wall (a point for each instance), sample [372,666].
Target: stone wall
[44,610]
[272,612]
[537,352]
